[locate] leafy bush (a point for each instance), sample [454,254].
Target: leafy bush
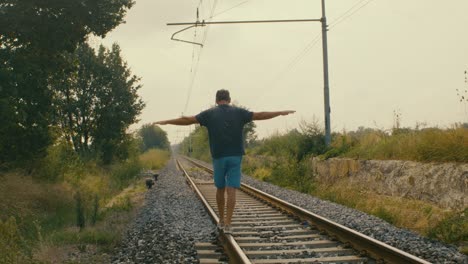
[430,144]
[153,137]
[310,140]
[292,174]
[11,243]
[60,159]
[453,228]
[154,159]
[196,144]
[123,173]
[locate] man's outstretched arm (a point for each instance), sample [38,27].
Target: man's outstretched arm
[269,115]
[181,121]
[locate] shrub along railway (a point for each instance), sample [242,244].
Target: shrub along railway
[269,230]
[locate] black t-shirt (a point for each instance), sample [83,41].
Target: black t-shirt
[225,124]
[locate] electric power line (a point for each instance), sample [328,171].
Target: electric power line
[347,11]
[342,18]
[194,70]
[229,9]
[293,62]
[299,57]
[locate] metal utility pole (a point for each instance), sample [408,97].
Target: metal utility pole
[326,88]
[323,20]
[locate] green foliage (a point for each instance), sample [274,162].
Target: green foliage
[124,172]
[11,243]
[280,145]
[80,215]
[196,144]
[97,101]
[249,134]
[35,37]
[292,174]
[154,159]
[340,145]
[426,145]
[453,228]
[153,137]
[95,210]
[297,144]
[45,204]
[384,214]
[59,160]
[122,204]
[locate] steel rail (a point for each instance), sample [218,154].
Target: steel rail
[233,250]
[365,244]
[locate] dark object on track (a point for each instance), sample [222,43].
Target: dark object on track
[149,183]
[155,176]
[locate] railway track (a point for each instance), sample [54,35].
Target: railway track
[269,230]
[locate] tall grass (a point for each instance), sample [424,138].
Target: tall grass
[154,159]
[36,207]
[282,160]
[426,145]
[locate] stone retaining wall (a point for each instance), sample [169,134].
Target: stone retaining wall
[445,184]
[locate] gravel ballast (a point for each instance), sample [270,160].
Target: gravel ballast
[430,250]
[408,241]
[173,219]
[168,225]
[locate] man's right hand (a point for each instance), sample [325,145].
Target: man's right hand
[287,112]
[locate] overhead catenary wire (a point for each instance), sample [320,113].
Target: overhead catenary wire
[194,68]
[300,55]
[296,59]
[353,10]
[229,9]
[347,11]
[291,64]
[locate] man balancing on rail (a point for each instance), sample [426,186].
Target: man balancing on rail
[225,124]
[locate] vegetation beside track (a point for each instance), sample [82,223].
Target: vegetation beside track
[79,214]
[282,159]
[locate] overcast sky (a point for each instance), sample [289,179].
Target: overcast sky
[384,56]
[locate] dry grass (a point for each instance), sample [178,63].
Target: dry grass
[44,213]
[411,214]
[154,159]
[431,144]
[25,199]
[94,244]
[422,217]
[33,209]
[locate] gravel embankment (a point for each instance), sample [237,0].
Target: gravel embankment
[430,250]
[173,219]
[167,227]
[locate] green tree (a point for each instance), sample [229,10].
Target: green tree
[153,137]
[97,102]
[197,144]
[34,38]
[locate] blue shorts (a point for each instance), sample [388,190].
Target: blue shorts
[227,171]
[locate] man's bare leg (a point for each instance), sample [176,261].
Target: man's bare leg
[231,203]
[220,202]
